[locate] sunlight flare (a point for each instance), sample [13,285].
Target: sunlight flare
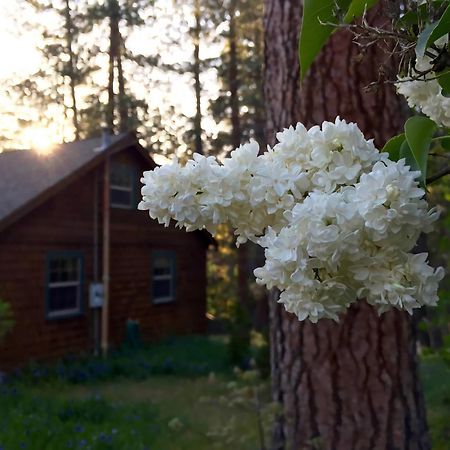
[41,140]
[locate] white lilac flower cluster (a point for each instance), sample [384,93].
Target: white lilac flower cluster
[426,94]
[337,219]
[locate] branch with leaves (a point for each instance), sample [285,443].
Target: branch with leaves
[419,35]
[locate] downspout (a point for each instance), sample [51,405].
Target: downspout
[106,247]
[96,255]
[96,258]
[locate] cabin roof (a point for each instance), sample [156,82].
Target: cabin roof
[28,178]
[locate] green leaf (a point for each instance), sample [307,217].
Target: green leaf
[444,82]
[410,18]
[393,147]
[443,27]
[445,143]
[418,132]
[407,154]
[313,34]
[433,32]
[357,8]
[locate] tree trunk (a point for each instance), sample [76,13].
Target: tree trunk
[233,79]
[122,101]
[113,44]
[259,120]
[351,385]
[197,86]
[72,68]
[236,137]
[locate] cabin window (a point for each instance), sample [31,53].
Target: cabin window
[64,284]
[163,276]
[121,186]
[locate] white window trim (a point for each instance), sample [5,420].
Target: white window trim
[58,284]
[119,187]
[169,277]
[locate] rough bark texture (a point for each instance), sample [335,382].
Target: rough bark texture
[351,385]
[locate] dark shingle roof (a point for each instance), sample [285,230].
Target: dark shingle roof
[25,174]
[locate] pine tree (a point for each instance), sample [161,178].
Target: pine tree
[65,64]
[352,385]
[200,32]
[239,108]
[72,58]
[123,111]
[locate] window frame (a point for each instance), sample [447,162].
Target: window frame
[117,187]
[171,254]
[68,313]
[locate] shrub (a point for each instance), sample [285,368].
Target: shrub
[6,319]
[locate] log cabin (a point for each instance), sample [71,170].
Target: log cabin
[78,260]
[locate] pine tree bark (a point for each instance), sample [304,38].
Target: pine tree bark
[352,385]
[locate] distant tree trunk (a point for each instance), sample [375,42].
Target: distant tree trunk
[116,50]
[233,79]
[352,385]
[236,138]
[113,7]
[197,86]
[122,100]
[258,78]
[112,56]
[72,68]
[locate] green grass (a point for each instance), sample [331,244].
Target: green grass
[159,413]
[50,421]
[170,396]
[436,382]
[188,356]
[161,397]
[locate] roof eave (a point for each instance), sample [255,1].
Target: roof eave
[128,140]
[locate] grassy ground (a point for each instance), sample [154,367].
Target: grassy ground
[436,382]
[178,395]
[162,413]
[159,398]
